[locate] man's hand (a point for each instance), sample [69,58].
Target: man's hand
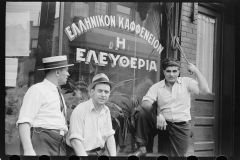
[29,152]
[192,68]
[202,83]
[161,122]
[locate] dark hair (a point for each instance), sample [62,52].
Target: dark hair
[170,62]
[47,71]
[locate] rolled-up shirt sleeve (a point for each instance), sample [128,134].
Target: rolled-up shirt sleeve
[151,95]
[192,85]
[32,102]
[76,129]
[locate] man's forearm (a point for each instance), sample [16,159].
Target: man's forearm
[78,147]
[111,146]
[202,83]
[24,134]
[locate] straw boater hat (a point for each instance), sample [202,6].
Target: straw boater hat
[55,62]
[100,78]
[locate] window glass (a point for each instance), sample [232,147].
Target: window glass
[79,9]
[95,39]
[101,8]
[34,43]
[130,58]
[123,12]
[205,47]
[32,33]
[123,9]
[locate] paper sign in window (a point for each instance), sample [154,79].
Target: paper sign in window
[11,72]
[17,33]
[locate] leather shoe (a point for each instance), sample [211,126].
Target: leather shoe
[141,152]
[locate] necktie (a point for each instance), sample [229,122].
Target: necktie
[61,105]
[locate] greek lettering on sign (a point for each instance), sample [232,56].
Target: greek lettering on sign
[101,59]
[82,26]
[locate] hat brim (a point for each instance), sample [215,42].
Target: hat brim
[112,85]
[55,67]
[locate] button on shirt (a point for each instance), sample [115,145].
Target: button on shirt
[175,106]
[41,107]
[89,126]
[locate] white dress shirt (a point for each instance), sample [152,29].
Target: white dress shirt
[175,106]
[89,126]
[41,107]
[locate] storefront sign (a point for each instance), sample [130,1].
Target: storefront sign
[110,21]
[86,56]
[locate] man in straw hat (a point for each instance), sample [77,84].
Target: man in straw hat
[41,122]
[171,114]
[90,123]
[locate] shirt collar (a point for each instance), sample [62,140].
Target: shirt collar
[92,106]
[50,84]
[162,83]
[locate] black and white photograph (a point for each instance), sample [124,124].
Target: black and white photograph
[121,79]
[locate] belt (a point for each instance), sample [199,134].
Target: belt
[96,152]
[60,132]
[178,123]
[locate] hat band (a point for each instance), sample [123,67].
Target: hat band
[101,79]
[55,64]
[172,63]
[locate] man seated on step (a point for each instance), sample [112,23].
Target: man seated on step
[91,131]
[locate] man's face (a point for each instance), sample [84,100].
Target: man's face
[100,93]
[63,75]
[171,74]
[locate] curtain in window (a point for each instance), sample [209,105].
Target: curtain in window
[205,47]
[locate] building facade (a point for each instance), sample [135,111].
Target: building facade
[126,41]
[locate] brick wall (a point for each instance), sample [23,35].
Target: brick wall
[189,45]
[188,35]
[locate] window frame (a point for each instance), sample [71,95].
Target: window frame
[213,10]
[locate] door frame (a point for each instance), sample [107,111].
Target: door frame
[216,11]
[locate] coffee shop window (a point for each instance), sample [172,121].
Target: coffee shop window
[31,33]
[101,8]
[123,12]
[79,10]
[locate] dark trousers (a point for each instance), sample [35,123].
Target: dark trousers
[48,142]
[98,152]
[176,136]
[94,152]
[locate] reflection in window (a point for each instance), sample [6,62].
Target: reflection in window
[123,12]
[79,9]
[57,9]
[34,43]
[101,8]
[32,7]
[24,34]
